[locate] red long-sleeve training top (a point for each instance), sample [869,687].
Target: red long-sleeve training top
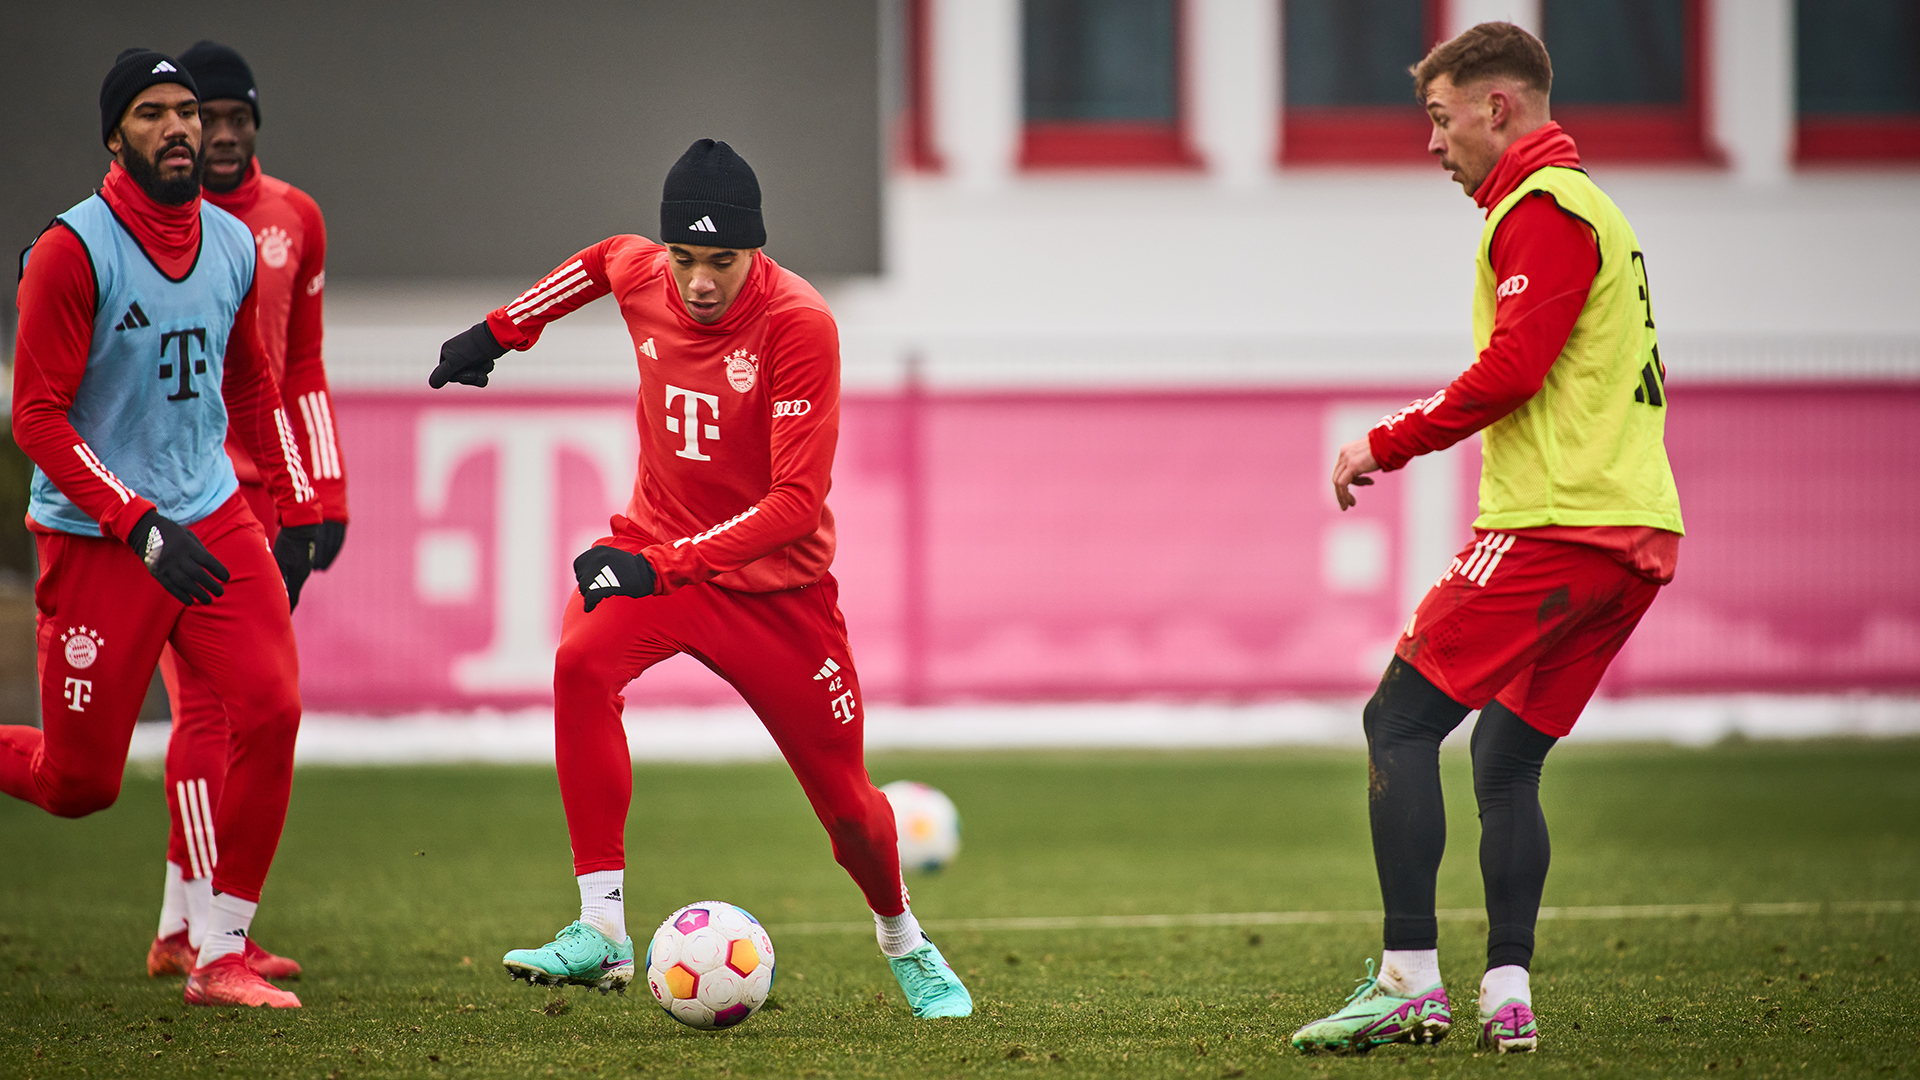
[1557,256]
[58,297]
[738,420]
[290,280]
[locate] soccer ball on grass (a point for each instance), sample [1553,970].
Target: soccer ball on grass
[710,965]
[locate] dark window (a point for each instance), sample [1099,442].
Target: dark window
[1100,60]
[1858,65]
[1859,56]
[1346,94]
[1102,84]
[1617,52]
[1353,52]
[910,79]
[1629,77]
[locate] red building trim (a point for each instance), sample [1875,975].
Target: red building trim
[1122,144]
[1835,139]
[914,143]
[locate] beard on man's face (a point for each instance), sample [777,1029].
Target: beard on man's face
[146,172]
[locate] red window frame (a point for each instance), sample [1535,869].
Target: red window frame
[1361,134]
[1856,138]
[914,146]
[1047,145]
[1652,134]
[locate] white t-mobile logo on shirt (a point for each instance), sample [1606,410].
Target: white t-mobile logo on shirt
[691,427]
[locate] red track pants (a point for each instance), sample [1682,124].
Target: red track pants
[197,747]
[102,623]
[786,652]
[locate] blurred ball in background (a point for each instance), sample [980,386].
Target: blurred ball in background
[927,822]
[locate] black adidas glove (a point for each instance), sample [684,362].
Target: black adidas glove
[326,546]
[467,357]
[607,571]
[293,550]
[177,559]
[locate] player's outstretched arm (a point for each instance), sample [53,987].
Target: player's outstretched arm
[467,357]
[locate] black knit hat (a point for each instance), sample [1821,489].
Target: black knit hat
[221,73]
[133,71]
[711,198]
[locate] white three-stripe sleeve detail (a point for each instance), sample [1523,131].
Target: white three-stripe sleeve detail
[518,319]
[189,826]
[323,404]
[547,288]
[206,826]
[99,469]
[326,456]
[302,487]
[544,282]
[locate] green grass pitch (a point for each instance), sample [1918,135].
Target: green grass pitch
[400,888]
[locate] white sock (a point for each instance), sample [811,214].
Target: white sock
[1509,982]
[228,920]
[173,904]
[601,904]
[899,934]
[1406,972]
[199,893]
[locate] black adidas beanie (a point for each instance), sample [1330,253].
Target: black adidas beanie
[221,73]
[133,71]
[712,198]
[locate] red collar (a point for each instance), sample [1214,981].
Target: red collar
[1538,149]
[170,235]
[241,198]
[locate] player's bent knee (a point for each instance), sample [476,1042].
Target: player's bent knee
[76,798]
[579,668]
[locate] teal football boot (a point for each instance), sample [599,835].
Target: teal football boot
[929,982]
[1372,1016]
[581,956]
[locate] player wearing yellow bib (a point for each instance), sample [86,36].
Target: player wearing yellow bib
[1579,527]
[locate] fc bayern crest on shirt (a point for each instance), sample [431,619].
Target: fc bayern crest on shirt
[274,244]
[82,647]
[742,368]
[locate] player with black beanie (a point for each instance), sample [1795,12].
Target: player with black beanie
[722,553]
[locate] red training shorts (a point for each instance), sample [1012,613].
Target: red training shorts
[1530,622]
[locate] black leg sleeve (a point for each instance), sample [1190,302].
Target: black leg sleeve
[1405,721]
[1507,755]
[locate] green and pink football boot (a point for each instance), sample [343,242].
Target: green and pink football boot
[1373,1017]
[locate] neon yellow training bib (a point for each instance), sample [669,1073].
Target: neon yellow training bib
[1589,448]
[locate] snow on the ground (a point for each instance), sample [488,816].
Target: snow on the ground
[731,733]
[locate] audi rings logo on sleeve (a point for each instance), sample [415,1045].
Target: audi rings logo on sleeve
[796,407]
[1513,286]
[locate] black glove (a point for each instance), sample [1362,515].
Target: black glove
[467,357]
[607,571]
[177,559]
[293,550]
[326,546]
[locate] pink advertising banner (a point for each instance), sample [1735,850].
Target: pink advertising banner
[1029,546]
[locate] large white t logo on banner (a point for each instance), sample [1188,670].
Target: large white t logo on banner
[527,444]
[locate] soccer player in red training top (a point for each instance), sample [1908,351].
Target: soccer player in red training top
[722,552]
[289,276]
[139,347]
[1579,527]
